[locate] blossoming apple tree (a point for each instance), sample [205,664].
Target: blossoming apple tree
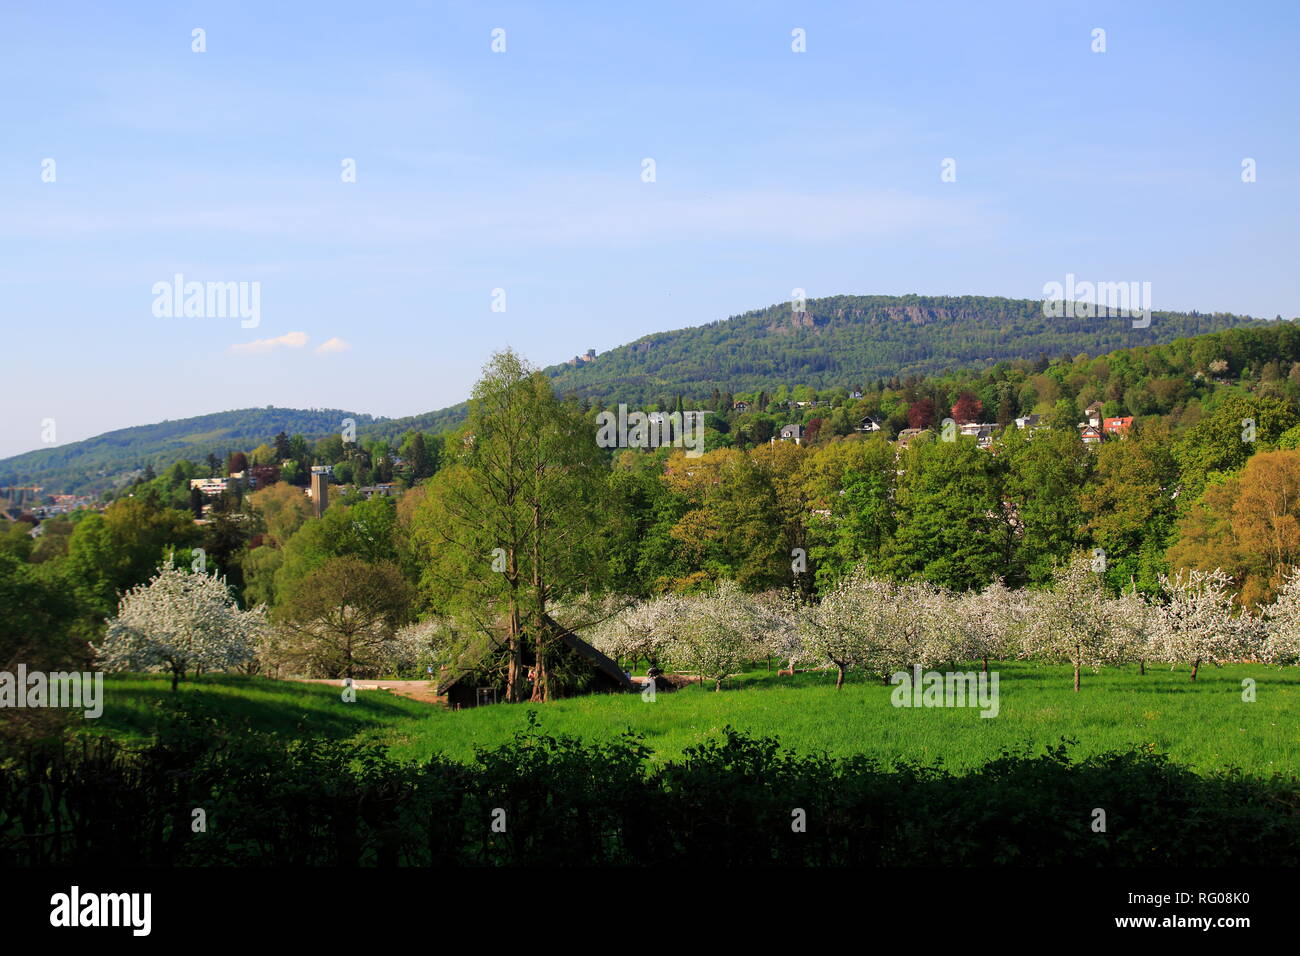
[178,622]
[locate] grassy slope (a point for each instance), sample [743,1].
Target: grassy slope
[283,707]
[1206,724]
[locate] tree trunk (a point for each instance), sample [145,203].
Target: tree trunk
[541,669]
[839,677]
[542,686]
[176,676]
[515,669]
[1076,678]
[1142,666]
[1196,664]
[717,685]
[986,664]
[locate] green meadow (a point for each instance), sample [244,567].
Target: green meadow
[1206,724]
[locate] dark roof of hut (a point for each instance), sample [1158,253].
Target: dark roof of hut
[599,661]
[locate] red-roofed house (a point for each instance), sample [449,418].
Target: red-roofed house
[1117,426]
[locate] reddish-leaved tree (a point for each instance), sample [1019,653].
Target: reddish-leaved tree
[920,414]
[968,408]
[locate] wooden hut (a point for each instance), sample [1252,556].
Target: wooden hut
[578,668]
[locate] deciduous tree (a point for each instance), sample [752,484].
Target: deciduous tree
[178,622]
[1195,621]
[342,616]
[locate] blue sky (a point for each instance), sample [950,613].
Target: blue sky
[521,170]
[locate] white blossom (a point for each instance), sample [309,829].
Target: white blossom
[990,622]
[716,634]
[1282,644]
[777,617]
[1076,621]
[1196,622]
[179,622]
[834,632]
[643,630]
[865,623]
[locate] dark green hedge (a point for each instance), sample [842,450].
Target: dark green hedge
[728,802]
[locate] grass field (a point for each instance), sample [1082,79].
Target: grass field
[282,707]
[1205,724]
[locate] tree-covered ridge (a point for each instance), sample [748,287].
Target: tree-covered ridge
[114,458]
[392,430]
[849,340]
[837,341]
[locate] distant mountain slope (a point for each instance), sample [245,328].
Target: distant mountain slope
[849,340]
[392,429]
[840,340]
[107,460]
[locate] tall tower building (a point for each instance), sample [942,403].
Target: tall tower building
[320,492]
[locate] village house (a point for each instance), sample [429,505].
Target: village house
[1092,414]
[870,424]
[1090,434]
[63,504]
[982,433]
[214,487]
[1117,426]
[792,433]
[741,407]
[908,434]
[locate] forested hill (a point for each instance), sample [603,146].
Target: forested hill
[848,341]
[851,340]
[113,458]
[843,340]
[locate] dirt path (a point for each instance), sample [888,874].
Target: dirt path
[421,690]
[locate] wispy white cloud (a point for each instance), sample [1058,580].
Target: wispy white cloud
[291,340]
[335,344]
